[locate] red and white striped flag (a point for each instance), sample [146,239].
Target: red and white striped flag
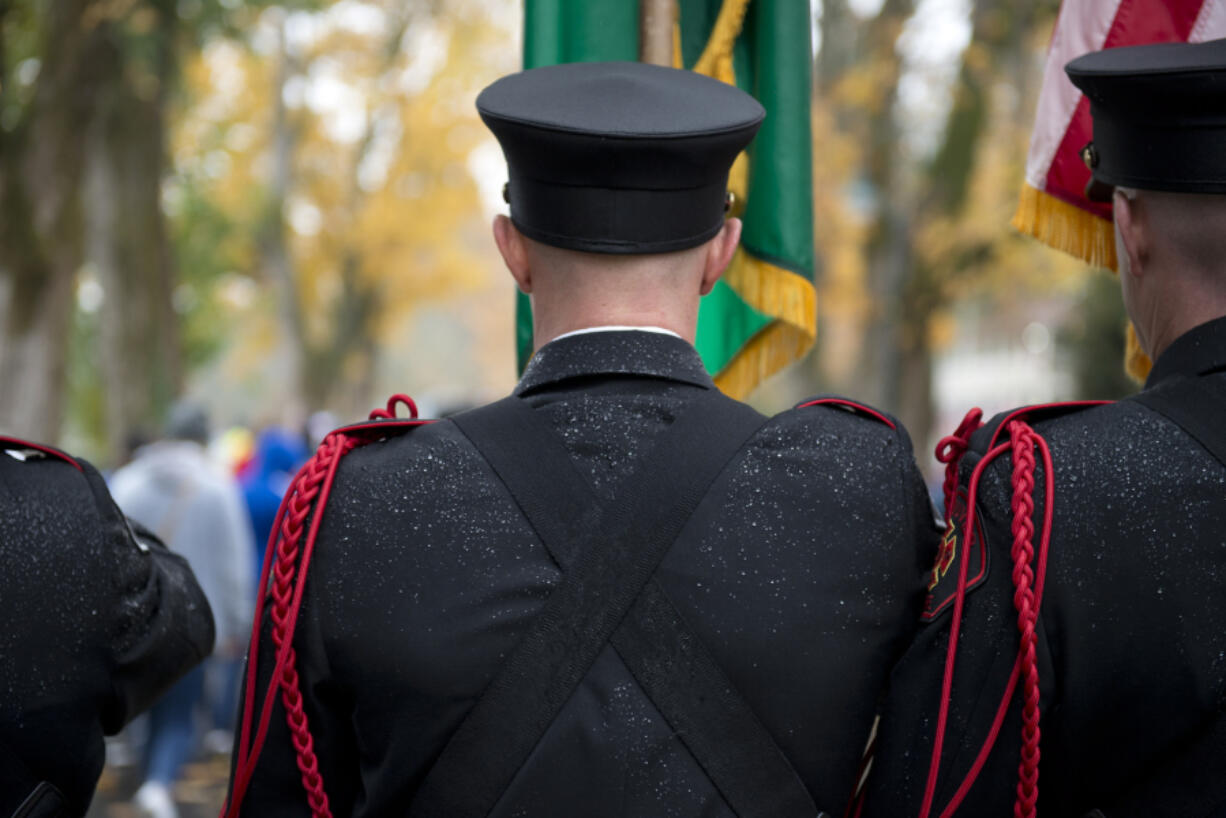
[1053,207]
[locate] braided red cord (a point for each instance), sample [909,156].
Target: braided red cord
[950,450]
[287,599]
[308,491]
[286,596]
[1028,585]
[1022,438]
[1003,707]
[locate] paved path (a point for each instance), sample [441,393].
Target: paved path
[199,793]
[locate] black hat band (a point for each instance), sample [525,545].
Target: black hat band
[1178,157]
[644,221]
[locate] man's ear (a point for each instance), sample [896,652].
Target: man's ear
[719,253]
[1133,230]
[514,252]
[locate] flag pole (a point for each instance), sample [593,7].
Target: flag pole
[656,31]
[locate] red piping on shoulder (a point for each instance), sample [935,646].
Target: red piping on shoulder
[857,408]
[18,443]
[1027,412]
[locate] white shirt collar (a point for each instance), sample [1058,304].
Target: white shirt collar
[589,330]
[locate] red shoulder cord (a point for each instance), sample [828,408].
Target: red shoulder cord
[1028,580]
[307,493]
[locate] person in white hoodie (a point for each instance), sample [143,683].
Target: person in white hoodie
[174,489]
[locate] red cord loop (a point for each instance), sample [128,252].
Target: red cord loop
[951,449]
[390,412]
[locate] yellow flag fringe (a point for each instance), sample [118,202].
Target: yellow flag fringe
[716,59]
[1136,363]
[791,300]
[788,298]
[1060,225]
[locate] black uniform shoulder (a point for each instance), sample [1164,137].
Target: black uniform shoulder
[30,451]
[1043,418]
[39,480]
[402,447]
[859,454]
[429,472]
[845,422]
[1097,438]
[28,463]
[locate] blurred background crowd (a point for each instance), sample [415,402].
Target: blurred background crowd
[226,227]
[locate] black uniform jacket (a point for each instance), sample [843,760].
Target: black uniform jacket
[802,571]
[98,621]
[1132,628]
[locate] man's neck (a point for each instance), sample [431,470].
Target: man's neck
[1179,313]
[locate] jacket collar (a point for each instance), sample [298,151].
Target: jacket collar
[629,352]
[1198,351]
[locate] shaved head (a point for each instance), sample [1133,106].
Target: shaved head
[1172,261]
[1190,229]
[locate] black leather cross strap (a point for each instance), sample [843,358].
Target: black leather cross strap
[608,594]
[1196,405]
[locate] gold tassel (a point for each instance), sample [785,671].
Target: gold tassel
[716,59]
[1060,225]
[1136,363]
[780,293]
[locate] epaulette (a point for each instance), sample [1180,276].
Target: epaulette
[850,406]
[25,450]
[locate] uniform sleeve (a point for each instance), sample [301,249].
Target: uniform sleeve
[161,625]
[987,652]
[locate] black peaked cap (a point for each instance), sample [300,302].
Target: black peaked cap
[618,157]
[1159,115]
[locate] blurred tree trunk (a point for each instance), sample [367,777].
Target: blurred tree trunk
[342,367]
[337,367]
[838,51]
[998,39]
[126,242]
[889,248]
[272,241]
[41,164]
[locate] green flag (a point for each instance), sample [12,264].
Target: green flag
[762,315]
